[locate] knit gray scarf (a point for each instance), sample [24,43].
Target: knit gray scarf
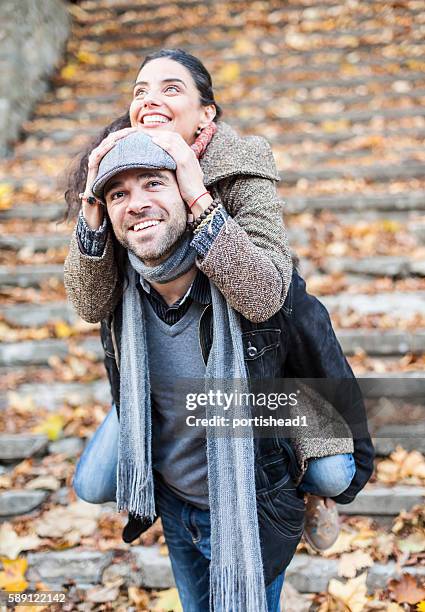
[236,571]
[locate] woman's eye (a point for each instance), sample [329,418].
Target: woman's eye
[172,87]
[139,92]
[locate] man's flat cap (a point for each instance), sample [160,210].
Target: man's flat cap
[133,151]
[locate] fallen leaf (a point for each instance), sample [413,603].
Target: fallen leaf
[406,590]
[52,426]
[349,563]
[11,544]
[168,601]
[77,520]
[44,482]
[352,593]
[413,543]
[13,576]
[138,597]
[421,606]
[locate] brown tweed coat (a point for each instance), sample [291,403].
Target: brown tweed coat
[251,263]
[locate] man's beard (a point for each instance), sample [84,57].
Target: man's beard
[157,253]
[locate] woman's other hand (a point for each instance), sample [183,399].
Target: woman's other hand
[189,175]
[93,213]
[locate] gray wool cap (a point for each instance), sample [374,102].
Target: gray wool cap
[137,150]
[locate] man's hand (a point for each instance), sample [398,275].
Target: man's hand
[93,213]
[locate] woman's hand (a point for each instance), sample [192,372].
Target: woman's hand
[189,175]
[93,213]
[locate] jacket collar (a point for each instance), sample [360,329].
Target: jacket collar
[229,154]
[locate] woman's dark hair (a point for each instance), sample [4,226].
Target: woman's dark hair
[202,79]
[78,175]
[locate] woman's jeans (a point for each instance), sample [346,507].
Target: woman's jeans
[186,527]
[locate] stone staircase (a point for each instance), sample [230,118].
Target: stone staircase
[338,90]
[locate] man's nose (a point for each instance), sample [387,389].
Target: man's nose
[137,202]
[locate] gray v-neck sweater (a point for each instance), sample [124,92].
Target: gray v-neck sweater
[179,454]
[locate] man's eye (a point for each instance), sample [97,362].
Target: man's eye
[117,195]
[153,183]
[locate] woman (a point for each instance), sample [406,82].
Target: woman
[246,256]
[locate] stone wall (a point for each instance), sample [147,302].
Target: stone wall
[32,37]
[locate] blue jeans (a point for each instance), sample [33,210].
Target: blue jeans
[186,527]
[187,533]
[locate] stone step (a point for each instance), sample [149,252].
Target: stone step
[387,202]
[371,341]
[18,502]
[384,500]
[377,173]
[34,243]
[145,566]
[37,212]
[38,352]
[410,437]
[408,385]
[56,394]
[14,447]
[34,315]
[404,305]
[379,265]
[29,276]
[380,342]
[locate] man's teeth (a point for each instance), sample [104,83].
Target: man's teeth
[155,119]
[144,225]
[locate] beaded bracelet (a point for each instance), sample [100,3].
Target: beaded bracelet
[194,224]
[207,221]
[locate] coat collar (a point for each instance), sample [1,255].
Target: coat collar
[229,154]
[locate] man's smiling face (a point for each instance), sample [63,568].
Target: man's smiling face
[147,212]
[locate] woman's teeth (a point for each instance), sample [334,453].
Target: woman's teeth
[144,225]
[155,119]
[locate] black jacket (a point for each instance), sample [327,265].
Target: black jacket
[297,342]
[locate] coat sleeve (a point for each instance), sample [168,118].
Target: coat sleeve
[314,352]
[92,283]
[250,260]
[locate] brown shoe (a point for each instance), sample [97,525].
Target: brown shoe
[321,522]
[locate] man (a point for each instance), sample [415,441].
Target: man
[232,517]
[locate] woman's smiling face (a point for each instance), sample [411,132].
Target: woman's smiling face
[165,97]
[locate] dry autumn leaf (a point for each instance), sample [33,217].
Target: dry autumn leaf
[351,593]
[349,563]
[406,590]
[52,426]
[413,543]
[168,601]
[11,545]
[13,576]
[402,465]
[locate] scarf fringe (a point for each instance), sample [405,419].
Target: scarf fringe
[135,492]
[230,591]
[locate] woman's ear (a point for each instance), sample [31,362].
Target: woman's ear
[209,114]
